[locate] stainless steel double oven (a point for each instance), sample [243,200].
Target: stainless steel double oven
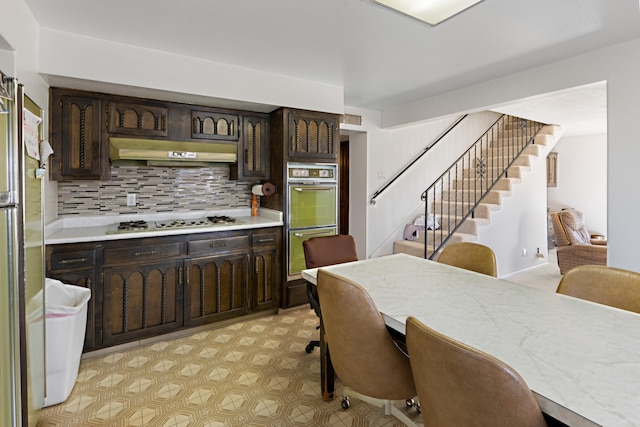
[312,208]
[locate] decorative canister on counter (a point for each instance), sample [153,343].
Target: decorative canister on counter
[254,205]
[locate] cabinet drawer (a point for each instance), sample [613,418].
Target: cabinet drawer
[223,244]
[75,259]
[141,253]
[264,239]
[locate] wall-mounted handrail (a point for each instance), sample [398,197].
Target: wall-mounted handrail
[372,201]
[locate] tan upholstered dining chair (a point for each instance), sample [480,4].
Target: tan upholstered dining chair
[364,355]
[470,256]
[461,386]
[575,245]
[610,286]
[323,251]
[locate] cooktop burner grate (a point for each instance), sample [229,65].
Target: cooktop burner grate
[222,219]
[182,223]
[133,225]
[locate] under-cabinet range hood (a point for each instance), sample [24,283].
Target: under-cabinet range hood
[170,153]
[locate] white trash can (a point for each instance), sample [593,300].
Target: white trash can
[65,326]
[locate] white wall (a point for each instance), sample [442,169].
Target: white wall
[521,222]
[619,66]
[79,57]
[582,179]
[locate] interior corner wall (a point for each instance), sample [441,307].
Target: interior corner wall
[619,66]
[582,179]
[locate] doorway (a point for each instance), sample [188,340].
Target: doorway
[343,185]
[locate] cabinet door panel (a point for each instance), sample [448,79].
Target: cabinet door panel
[141,300]
[265,278]
[216,288]
[253,149]
[214,125]
[138,119]
[76,137]
[313,135]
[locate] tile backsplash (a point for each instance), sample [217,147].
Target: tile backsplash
[157,190]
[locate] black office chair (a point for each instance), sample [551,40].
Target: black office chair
[321,252]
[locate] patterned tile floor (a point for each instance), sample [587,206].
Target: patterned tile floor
[252,373]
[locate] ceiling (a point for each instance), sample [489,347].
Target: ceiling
[382,59]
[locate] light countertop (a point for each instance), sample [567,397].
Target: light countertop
[77,229]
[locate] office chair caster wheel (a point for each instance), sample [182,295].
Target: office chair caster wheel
[411,403]
[345,403]
[308,348]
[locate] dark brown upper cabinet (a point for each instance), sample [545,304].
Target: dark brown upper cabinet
[207,124]
[313,135]
[140,120]
[76,135]
[253,149]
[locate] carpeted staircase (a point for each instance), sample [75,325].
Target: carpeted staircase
[460,194]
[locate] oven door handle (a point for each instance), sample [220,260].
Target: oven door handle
[315,233]
[314,188]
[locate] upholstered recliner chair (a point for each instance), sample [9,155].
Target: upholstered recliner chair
[575,245]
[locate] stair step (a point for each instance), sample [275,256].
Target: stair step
[493,196]
[503,184]
[509,142]
[502,161]
[514,171]
[544,139]
[483,210]
[502,152]
[417,248]
[469,226]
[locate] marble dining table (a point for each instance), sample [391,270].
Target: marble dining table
[580,359]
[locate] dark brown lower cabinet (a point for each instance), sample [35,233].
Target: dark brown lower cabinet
[85,279]
[216,288]
[75,264]
[266,281]
[141,300]
[265,269]
[151,286]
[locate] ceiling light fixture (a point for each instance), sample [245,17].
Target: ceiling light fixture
[432,12]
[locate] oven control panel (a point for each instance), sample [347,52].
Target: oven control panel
[315,171]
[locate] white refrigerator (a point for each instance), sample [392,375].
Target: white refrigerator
[22,309]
